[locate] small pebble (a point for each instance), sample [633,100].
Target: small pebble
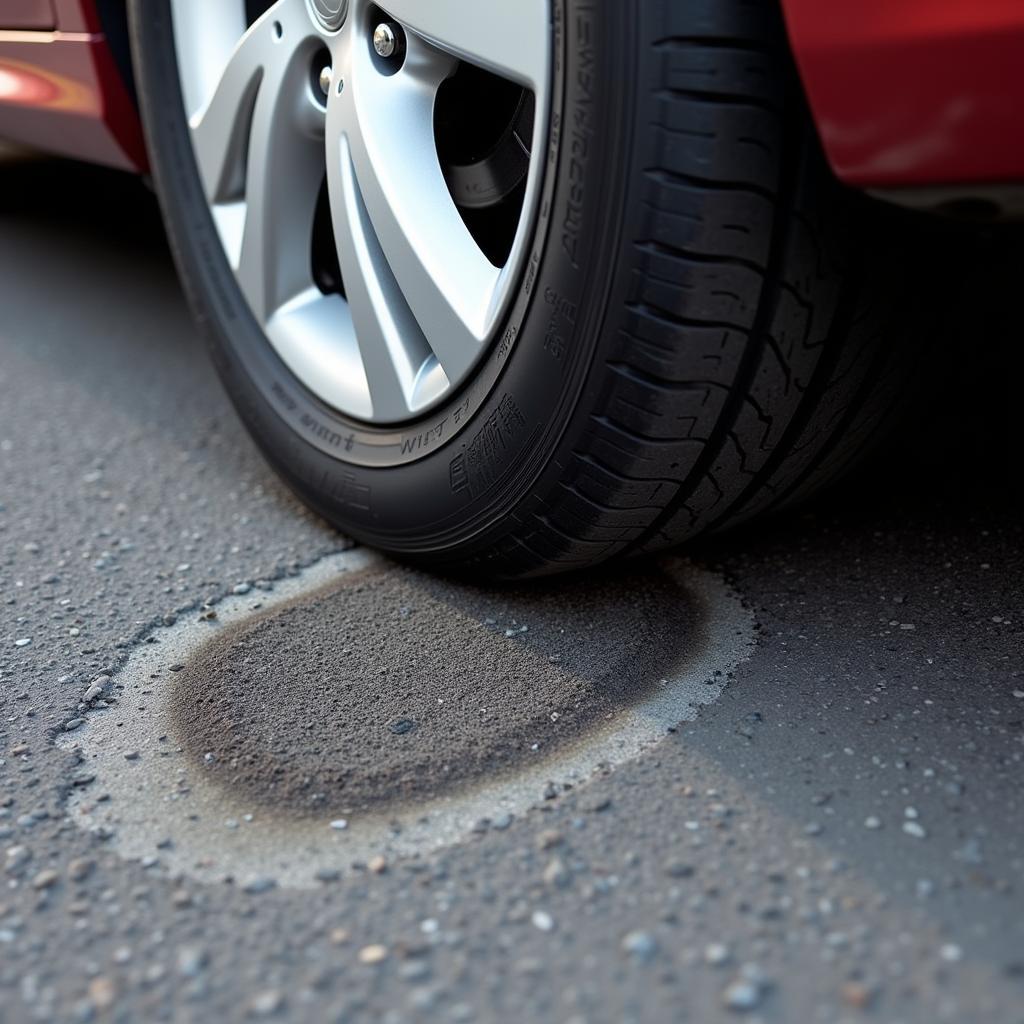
[556,873]
[181,898]
[16,859]
[549,838]
[678,869]
[102,992]
[191,961]
[80,869]
[258,885]
[745,992]
[266,1004]
[857,995]
[741,995]
[716,954]
[641,946]
[46,879]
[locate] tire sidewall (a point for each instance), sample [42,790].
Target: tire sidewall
[474,467]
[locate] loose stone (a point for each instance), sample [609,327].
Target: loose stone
[46,879]
[641,946]
[373,954]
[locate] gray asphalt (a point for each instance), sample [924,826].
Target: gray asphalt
[838,837]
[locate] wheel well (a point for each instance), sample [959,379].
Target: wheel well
[113,15]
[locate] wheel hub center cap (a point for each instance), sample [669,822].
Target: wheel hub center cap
[331,13]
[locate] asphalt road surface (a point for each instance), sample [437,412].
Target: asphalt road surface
[246,772]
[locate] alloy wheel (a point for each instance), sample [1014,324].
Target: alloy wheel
[373,175]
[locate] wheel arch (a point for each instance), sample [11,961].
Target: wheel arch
[112,16]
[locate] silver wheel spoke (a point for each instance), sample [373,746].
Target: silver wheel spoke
[205,36]
[391,344]
[444,277]
[259,158]
[508,37]
[315,336]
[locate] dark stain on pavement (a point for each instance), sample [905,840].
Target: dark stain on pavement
[393,685]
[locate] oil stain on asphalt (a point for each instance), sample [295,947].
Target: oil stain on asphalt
[396,685]
[365,710]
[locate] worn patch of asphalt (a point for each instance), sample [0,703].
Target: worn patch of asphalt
[836,838]
[394,685]
[305,772]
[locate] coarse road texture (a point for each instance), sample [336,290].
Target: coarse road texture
[837,838]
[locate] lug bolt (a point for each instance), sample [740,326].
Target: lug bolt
[385,39]
[326,74]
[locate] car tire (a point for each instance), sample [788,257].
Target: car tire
[707,327]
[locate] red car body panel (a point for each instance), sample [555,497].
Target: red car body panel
[60,89]
[34,14]
[915,92]
[77,15]
[905,93]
